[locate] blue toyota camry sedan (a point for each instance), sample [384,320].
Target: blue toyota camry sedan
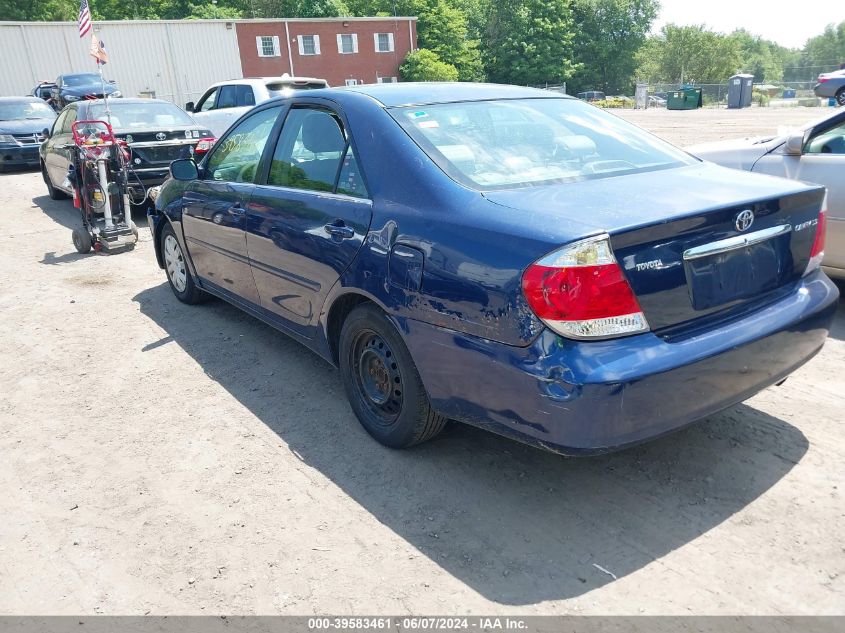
[501,256]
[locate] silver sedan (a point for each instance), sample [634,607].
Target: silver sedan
[814,153]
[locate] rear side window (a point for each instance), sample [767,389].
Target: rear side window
[309,152]
[524,142]
[228,97]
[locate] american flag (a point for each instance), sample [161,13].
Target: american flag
[84,21]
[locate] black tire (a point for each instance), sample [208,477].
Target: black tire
[840,97]
[55,194]
[178,274]
[82,240]
[382,382]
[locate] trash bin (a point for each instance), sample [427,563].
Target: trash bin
[789,93]
[686,98]
[740,88]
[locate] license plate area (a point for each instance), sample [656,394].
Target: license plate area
[748,267]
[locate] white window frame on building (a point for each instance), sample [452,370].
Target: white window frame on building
[300,40]
[377,41]
[268,45]
[352,38]
[387,80]
[351,82]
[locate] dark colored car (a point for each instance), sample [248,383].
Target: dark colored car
[79,86]
[501,256]
[157,132]
[44,90]
[591,95]
[22,121]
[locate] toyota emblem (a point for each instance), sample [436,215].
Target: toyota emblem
[161,136]
[744,220]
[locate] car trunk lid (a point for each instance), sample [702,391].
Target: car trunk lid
[696,243]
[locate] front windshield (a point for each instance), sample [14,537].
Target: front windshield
[80,80]
[525,142]
[26,110]
[141,115]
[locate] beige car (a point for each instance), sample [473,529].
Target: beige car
[814,154]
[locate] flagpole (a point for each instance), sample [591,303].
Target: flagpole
[105,96]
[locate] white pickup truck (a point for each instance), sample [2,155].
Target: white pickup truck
[224,102]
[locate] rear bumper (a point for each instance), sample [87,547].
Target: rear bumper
[19,156]
[582,397]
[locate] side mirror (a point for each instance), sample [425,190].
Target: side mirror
[184,169]
[189,107]
[794,144]
[45,132]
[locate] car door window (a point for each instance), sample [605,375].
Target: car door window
[309,152]
[207,102]
[228,97]
[59,123]
[236,157]
[67,124]
[246,96]
[830,141]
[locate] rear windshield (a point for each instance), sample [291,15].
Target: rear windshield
[141,115]
[285,88]
[525,142]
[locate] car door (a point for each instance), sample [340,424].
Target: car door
[60,148]
[307,217]
[213,213]
[822,162]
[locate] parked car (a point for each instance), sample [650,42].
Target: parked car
[814,153]
[503,256]
[591,95]
[22,120]
[656,102]
[831,85]
[74,87]
[44,90]
[156,133]
[225,101]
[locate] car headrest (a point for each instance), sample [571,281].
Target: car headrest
[321,134]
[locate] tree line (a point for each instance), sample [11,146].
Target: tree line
[589,44]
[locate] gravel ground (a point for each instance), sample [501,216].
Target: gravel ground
[166,459]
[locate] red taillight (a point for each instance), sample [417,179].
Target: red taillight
[823,80]
[580,291]
[204,145]
[817,252]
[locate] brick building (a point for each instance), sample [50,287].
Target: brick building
[343,51]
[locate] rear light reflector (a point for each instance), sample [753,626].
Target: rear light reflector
[823,80]
[579,291]
[817,252]
[204,145]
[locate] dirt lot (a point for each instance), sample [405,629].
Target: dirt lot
[160,458]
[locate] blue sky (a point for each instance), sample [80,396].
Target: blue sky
[768,18]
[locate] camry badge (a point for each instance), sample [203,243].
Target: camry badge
[744,220]
[161,136]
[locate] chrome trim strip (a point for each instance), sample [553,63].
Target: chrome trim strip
[733,243]
[170,143]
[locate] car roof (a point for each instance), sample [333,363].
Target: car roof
[263,81]
[79,75]
[418,93]
[126,100]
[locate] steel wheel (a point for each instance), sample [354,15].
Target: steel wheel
[840,97]
[378,380]
[175,263]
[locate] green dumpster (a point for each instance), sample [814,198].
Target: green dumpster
[686,98]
